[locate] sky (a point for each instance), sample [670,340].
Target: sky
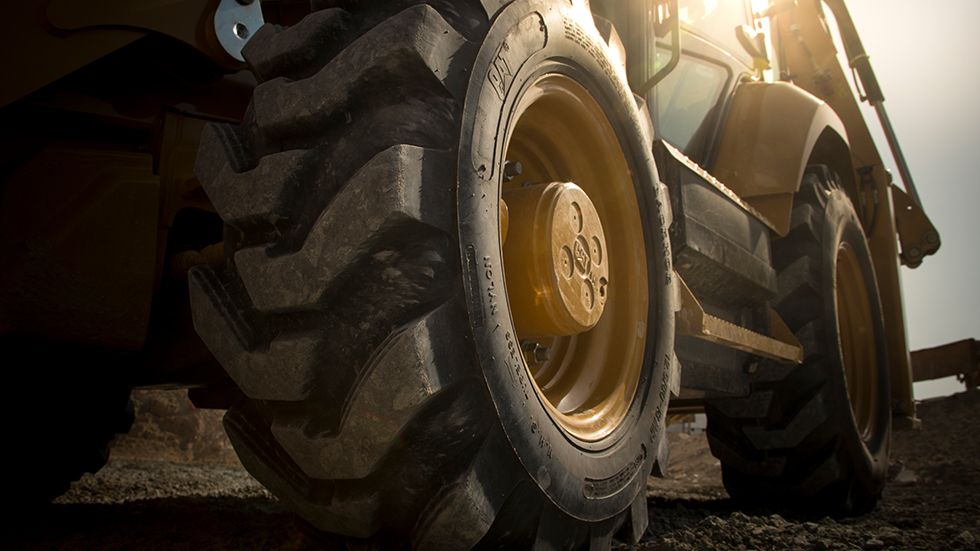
[924,54]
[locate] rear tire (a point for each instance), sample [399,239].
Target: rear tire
[817,435]
[362,310]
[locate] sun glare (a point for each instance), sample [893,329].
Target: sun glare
[759,6]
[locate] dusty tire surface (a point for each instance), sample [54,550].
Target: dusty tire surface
[359,310]
[795,439]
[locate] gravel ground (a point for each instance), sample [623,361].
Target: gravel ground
[931,502]
[156,496]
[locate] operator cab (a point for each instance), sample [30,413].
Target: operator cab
[686,106]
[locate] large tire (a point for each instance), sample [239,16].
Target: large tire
[815,436]
[361,308]
[61,414]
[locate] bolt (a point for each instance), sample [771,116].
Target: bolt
[512,169]
[752,367]
[932,238]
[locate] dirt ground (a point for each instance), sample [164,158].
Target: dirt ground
[165,490]
[931,502]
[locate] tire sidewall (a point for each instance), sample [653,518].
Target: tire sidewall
[868,459]
[588,481]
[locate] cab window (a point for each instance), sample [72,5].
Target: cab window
[684,100]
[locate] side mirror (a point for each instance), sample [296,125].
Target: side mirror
[755,44]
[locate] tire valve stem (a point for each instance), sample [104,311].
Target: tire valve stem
[512,169]
[535,353]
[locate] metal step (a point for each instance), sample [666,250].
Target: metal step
[693,321]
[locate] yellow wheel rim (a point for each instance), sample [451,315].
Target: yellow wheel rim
[857,338]
[582,327]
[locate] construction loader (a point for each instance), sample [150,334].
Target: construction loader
[450,266]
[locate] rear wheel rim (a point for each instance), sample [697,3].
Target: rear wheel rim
[587,381]
[855,324]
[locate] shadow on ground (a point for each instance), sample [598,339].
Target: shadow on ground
[932,502]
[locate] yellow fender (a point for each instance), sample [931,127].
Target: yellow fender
[772,132]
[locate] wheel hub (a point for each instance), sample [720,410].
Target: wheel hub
[579,303]
[556,260]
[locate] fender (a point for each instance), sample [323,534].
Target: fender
[772,132]
[65,35]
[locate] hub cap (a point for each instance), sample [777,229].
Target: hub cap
[558,277]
